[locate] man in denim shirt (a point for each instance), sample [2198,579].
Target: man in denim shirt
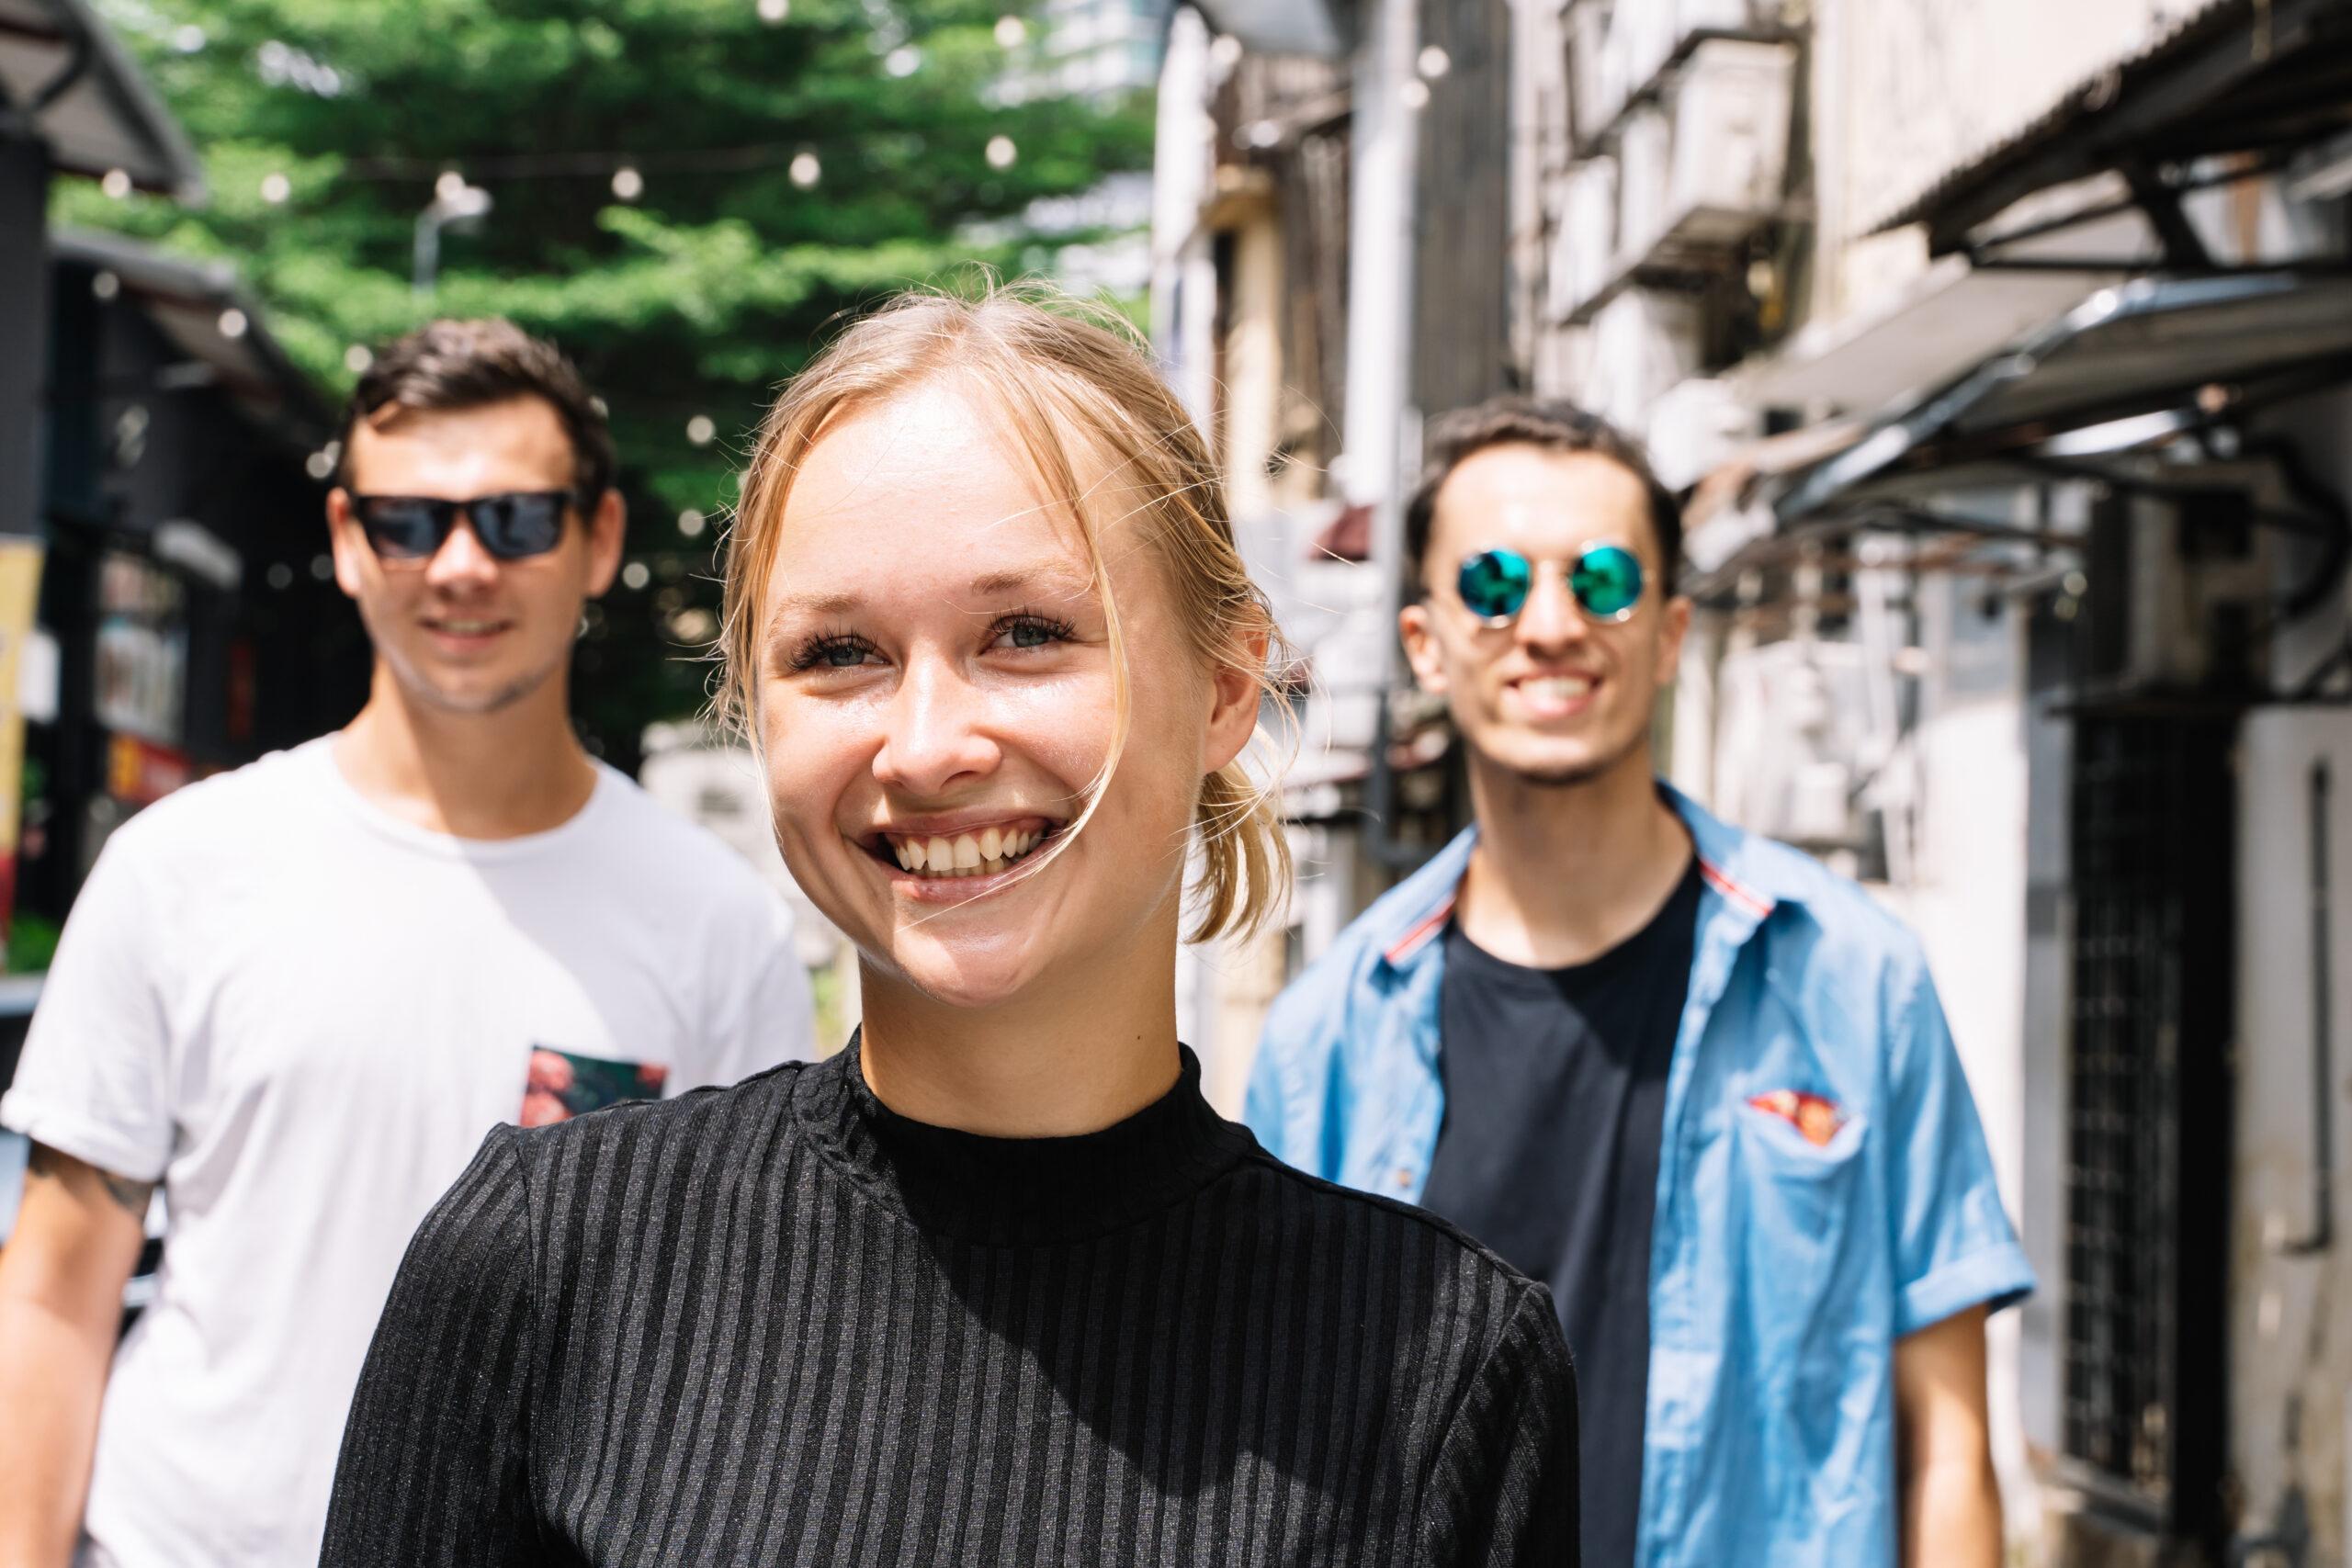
[1692,1079]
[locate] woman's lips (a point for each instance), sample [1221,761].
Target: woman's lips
[960,864]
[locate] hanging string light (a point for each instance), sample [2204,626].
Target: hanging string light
[276,188]
[774,11]
[1001,151]
[805,171]
[627,183]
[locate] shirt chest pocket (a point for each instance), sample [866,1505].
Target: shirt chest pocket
[1801,1180]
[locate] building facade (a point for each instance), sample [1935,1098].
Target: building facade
[2000,350]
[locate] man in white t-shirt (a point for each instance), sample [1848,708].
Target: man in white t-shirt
[296,996]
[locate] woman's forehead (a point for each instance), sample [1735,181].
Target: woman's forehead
[926,487]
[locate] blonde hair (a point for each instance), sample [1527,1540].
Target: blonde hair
[1059,377]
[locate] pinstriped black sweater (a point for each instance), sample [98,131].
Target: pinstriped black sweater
[779,1323]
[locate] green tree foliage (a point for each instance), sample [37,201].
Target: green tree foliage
[326,124]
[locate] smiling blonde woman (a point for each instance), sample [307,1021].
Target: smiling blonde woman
[994,1284]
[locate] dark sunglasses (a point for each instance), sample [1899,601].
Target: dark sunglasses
[1606,581]
[511,525]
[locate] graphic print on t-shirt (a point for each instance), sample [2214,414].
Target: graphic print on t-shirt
[562,1085]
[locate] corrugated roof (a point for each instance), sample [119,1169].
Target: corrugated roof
[2083,110]
[88,101]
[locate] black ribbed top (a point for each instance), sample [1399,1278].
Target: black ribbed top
[781,1324]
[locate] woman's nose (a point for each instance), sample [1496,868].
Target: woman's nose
[936,735]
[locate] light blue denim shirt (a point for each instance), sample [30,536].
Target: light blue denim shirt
[1784,1264]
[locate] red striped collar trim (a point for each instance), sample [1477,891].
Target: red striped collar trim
[1745,897]
[1431,924]
[1717,878]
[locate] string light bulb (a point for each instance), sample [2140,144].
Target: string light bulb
[774,11]
[805,171]
[627,183]
[702,429]
[450,185]
[1012,32]
[358,358]
[1001,151]
[276,188]
[117,182]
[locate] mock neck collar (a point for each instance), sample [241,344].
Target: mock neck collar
[1013,1192]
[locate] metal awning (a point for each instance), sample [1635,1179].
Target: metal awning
[1283,27]
[2132,363]
[1951,318]
[61,67]
[206,315]
[2234,77]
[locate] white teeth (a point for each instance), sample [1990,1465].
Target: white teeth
[984,853]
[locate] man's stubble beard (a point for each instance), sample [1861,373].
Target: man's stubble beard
[1573,775]
[497,700]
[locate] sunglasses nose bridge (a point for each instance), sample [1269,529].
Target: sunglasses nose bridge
[461,552]
[1551,614]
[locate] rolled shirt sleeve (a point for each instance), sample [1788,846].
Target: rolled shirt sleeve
[95,1079]
[1953,1245]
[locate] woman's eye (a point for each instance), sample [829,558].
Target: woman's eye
[832,653]
[1031,631]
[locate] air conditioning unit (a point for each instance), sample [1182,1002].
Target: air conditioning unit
[1596,78]
[1730,140]
[1587,247]
[1645,169]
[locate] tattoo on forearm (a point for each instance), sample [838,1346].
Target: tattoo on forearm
[131,1195]
[46,1164]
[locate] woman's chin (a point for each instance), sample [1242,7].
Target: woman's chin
[958,974]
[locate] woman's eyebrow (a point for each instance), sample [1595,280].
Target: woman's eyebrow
[1057,580]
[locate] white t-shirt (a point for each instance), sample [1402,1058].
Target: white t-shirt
[302,1014]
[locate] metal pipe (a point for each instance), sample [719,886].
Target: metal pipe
[2321,1236]
[1386,146]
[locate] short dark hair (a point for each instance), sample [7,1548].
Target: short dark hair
[1553,425]
[450,365]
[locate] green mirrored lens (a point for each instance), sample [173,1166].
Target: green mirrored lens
[1607,580]
[1494,583]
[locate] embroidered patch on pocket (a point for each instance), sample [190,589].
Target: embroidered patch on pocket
[561,1085]
[1817,1118]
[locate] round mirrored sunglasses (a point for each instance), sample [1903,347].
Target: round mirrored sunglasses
[1605,580]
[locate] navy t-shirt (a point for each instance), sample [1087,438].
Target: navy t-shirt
[1555,1108]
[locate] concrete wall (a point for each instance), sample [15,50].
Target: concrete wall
[1908,89]
[2290,1313]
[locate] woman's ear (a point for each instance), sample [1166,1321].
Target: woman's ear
[1235,691]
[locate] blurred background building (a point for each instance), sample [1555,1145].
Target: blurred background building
[2005,354]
